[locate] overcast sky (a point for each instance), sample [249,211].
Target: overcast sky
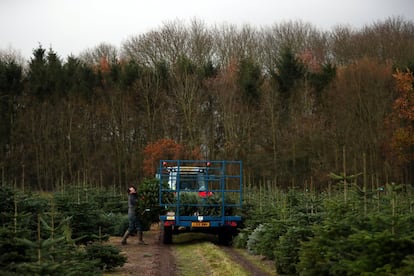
[71,26]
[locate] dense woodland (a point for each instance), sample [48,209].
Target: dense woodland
[295,103]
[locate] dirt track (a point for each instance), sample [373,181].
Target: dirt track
[157,259]
[154,259]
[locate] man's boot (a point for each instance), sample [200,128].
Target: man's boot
[141,241]
[125,237]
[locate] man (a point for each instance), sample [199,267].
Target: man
[134,221]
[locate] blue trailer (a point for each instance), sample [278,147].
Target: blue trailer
[200,196]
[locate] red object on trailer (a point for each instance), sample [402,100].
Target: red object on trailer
[205,193]
[200,196]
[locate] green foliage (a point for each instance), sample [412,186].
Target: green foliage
[192,203]
[148,209]
[310,233]
[43,247]
[188,203]
[44,236]
[117,223]
[55,255]
[29,208]
[356,244]
[85,220]
[294,226]
[130,74]
[79,79]
[45,74]
[68,261]
[263,239]
[407,267]
[11,75]
[69,267]
[108,203]
[91,212]
[11,250]
[240,241]
[250,80]
[109,257]
[353,252]
[11,84]
[319,80]
[7,202]
[290,69]
[287,246]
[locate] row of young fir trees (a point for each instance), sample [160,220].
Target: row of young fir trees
[351,228]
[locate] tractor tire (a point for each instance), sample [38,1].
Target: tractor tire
[166,233]
[225,236]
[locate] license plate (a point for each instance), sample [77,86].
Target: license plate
[200,224]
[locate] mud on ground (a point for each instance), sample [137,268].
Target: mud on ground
[157,259]
[154,259]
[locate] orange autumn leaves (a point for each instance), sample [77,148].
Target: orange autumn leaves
[165,149]
[402,119]
[404,105]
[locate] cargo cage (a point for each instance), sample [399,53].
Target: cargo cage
[201,196]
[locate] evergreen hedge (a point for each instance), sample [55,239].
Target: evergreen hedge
[365,232]
[57,234]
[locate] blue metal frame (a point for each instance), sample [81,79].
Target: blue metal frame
[219,173]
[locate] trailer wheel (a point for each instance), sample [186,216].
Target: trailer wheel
[166,232]
[225,236]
